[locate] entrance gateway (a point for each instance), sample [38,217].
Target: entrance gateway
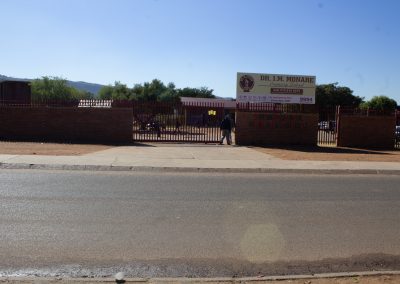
[192,120]
[198,120]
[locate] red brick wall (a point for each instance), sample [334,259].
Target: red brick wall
[276,129]
[366,131]
[67,124]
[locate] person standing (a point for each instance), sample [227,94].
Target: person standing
[226,128]
[177,125]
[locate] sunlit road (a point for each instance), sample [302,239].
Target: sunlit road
[152,224]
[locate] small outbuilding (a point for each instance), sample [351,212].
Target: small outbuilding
[15,92]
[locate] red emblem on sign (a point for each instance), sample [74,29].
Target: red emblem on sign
[246,82]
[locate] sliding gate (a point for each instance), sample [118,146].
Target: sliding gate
[166,122]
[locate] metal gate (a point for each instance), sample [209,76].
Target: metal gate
[328,126]
[176,122]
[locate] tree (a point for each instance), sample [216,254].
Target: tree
[152,91]
[105,93]
[56,88]
[81,95]
[170,94]
[148,91]
[121,92]
[329,95]
[117,92]
[137,92]
[203,92]
[50,88]
[380,103]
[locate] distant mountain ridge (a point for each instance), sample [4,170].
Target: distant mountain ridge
[83,86]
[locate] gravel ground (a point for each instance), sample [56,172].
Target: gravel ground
[331,154]
[51,149]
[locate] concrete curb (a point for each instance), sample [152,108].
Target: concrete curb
[196,170]
[202,280]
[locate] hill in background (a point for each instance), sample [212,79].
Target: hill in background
[83,86]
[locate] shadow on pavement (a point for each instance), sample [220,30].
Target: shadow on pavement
[330,150]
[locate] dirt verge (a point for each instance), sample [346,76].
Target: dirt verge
[330,154]
[285,153]
[52,149]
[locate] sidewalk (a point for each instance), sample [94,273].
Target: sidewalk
[192,158]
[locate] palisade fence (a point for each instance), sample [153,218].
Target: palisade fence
[36,103]
[152,121]
[397,133]
[276,108]
[40,103]
[193,121]
[328,126]
[200,121]
[365,111]
[177,122]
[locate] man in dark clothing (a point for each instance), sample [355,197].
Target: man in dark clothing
[226,128]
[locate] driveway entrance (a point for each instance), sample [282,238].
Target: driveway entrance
[174,122]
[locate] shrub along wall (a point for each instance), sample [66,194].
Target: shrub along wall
[99,125]
[366,131]
[254,128]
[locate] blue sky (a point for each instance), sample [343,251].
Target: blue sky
[204,42]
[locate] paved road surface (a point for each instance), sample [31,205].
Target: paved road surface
[151,224]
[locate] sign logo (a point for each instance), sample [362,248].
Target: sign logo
[246,82]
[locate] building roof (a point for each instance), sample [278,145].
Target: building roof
[13,81]
[226,103]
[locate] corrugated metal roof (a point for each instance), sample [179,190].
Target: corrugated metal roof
[227,103]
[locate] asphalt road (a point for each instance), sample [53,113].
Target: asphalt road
[156,225]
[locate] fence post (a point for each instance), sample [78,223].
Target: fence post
[338,113]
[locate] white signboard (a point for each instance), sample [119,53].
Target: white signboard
[275,88]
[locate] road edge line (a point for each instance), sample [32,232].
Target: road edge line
[206,280]
[23,166]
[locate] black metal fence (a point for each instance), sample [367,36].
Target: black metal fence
[39,103]
[200,121]
[276,108]
[189,122]
[364,111]
[327,127]
[397,131]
